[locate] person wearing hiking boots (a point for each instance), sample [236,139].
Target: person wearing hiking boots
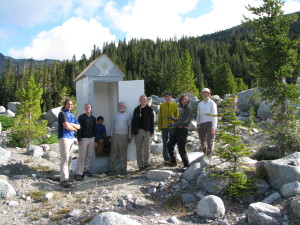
[166,109]
[207,122]
[86,143]
[67,126]
[180,133]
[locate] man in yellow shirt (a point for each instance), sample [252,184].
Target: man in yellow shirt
[164,124]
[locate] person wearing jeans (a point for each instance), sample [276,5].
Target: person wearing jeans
[180,134]
[166,109]
[67,125]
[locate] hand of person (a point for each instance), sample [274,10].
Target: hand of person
[95,145]
[213,131]
[79,142]
[171,125]
[170,117]
[198,130]
[129,140]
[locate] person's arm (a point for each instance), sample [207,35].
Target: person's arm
[185,117]
[215,118]
[151,121]
[159,118]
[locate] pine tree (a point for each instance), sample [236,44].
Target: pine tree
[224,81]
[276,56]
[28,128]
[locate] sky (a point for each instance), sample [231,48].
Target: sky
[60,29]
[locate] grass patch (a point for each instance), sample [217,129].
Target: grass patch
[37,195]
[174,203]
[41,168]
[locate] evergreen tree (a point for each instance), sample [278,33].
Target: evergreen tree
[224,81]
[27,127]
[276,56]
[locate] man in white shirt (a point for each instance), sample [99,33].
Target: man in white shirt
[121,136]
[207,124]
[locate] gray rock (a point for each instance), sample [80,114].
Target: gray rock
[244,99]
[74,213]
[112,218]
[211,206]
[192,172]
[12,106]
[264,110]
[52,115]
[188,198]
[4,156]
[2,109]
[10,113]
[261,185]
[35,150]
[50,155]
[211,185]
[6,190]
[159,175]
[295,206]
[283,171]
[272,198]
[290,189]
[156,148]
[173,220]
[45,147]
[262,213]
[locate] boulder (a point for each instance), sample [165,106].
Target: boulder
[10,113]
[52,115]
[159,175]
[261,213]
[211,207]
[112,218]
[264,110]
[290,189]
[192,172]
[4,156]
[2,109]
[35,150]
[13,106]
[283,171]
[6,190]
[295,206]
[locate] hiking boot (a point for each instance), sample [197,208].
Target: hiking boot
[78,177]
[172,164]
[65,184]
[87,173]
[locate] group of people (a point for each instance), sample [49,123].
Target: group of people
[172,122]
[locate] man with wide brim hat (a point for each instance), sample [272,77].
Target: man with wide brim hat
[207,122]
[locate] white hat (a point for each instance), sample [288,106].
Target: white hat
[205,90]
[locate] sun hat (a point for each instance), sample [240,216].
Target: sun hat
[205,90]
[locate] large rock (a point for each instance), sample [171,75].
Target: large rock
[211,207]
[209,184]
[290,189]
[6,190]
[2,109]
[35,150]
[13,106]
[244,99]
[261,213]
[112,218]
[52,115]
[4,156]
[264,110]
[192,172]
[283,171]
[159,175]
[295,206]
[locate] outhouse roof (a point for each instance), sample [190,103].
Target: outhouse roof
[101,67]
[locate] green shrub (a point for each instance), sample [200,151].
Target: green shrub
[50,140]
[6,122]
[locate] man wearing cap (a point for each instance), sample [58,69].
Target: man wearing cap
[207,124]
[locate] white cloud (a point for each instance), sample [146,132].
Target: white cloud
[74,37]
[291,6]
[27,13]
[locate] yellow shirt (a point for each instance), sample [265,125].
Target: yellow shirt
[166,109]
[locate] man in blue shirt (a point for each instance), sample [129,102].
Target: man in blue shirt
[67,125]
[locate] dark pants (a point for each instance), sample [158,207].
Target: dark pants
[206,137]
[178,137]
[166,133]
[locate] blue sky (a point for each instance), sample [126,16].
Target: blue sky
[59,29]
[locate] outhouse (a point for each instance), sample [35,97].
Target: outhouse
[101,84]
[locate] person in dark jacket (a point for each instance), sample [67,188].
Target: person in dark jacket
[143,131]
[86,142]
[180,133]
